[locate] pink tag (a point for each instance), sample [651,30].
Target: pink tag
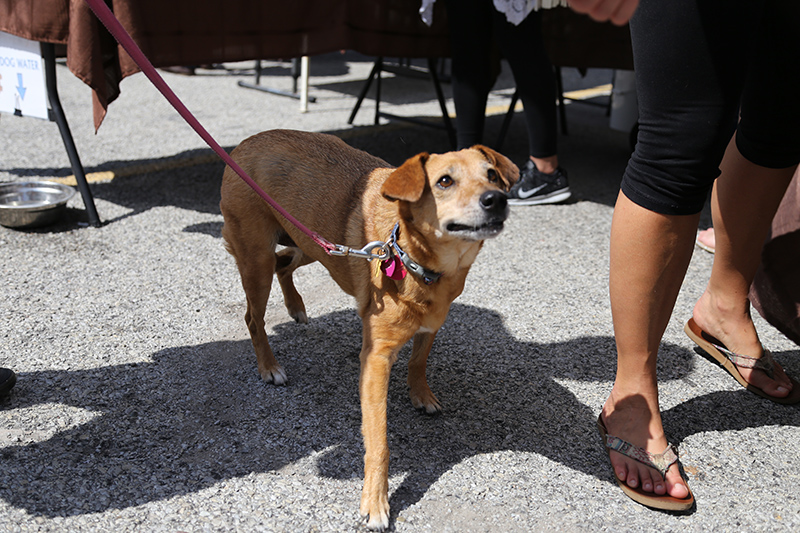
[394,268]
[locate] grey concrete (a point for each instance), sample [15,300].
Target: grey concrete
[139,408]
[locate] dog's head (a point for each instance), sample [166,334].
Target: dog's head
[460,194]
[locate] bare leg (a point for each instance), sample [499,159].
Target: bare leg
[741,223]
[649,257]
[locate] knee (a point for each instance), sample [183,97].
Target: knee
[675,162]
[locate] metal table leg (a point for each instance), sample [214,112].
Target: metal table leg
[49,56]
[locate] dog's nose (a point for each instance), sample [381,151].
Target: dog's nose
[494,202]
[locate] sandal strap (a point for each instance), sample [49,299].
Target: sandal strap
[658,461]
[765,362]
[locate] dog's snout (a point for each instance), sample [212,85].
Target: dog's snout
[494,201]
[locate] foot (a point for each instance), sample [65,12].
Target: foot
[375,502]
[706,239]
[535,187]
[423,398]
[632,418]
[736,331]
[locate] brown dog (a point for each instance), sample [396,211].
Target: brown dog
[443,206]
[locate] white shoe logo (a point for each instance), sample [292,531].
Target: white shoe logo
[531,192]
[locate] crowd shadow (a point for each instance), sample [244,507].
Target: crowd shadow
[197,415]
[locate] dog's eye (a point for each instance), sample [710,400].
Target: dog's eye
[492,175]
[445,182]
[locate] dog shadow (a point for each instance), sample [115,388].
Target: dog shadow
[198,415]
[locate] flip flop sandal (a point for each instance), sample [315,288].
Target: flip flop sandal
[660,462]
[730,360]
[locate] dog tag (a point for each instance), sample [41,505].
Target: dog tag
[393,268]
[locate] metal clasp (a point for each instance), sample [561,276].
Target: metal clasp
[367,252]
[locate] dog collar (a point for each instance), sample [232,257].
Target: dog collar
[428,276]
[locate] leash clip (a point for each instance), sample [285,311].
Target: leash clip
[368,252]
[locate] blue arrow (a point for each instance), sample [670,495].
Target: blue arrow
[20,88]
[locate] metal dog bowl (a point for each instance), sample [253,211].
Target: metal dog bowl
[31,204]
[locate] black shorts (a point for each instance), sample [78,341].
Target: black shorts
[704,70]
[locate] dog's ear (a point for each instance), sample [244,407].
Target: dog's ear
[509,172]
[408,181]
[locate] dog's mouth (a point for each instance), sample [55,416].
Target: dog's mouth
[489,229]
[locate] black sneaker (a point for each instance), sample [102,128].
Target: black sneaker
[535,188]
[7,380]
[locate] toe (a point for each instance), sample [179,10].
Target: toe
[645,480]
[780,386]
[675,485]
[619,466]
[639,476]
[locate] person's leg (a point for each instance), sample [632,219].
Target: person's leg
[541,180]
[757,168]
[688,109]
[470,39]
[741,224]
[644,283]
[523,48]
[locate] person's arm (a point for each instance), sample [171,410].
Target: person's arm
[617,11]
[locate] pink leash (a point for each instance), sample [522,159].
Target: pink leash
[126,41]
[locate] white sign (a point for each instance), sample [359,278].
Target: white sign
[22,87]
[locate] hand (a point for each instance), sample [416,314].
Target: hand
[617,11]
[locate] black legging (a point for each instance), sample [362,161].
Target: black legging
[700,64]
[473,26]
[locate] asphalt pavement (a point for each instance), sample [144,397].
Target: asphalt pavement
[138,405]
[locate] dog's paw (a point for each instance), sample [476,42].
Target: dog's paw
[376,514]
[275,375]
[300,317]
[426,401]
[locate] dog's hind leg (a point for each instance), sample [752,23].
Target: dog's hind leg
[268,365]
[421,395]
[254,249]
[289,260]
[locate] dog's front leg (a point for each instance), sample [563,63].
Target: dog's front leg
[420,392]
[377,358]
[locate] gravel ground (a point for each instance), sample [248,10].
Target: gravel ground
[139,407]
